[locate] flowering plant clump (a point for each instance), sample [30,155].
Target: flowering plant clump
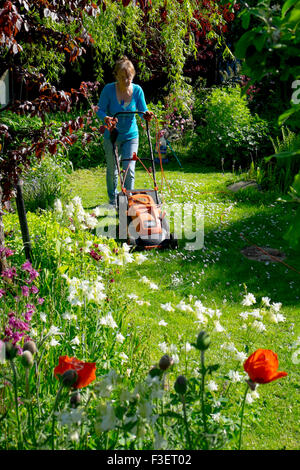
[22,297]
[74,215]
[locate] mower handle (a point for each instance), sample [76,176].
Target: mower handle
[129,112]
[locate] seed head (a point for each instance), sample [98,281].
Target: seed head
[203,341]
[69,378]
[27,359]
[30,346]
[180,385]
[10,351]
[165,362]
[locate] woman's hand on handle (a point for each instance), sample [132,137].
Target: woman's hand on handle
[148,115]
[111,122]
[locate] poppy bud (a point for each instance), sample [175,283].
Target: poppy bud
[180,385]
[30,346]
[69,378]
[10,351]
[203,341]
[165,362]
[75,399]
[27,359]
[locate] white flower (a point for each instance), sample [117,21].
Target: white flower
[235,376]
[218,327]
[216,417]
[266,301]
[145,280]
[43,317]
[163,347]
[184,307]
[153,286]
[173,348]
[75,341]
[167,307]
[126,247]
[276,306]
[212,386]
[132,296]
[108,321]
[259,326]
[54,330]
[124,357]
[53,342]
[58,206]
[187,346]
[175,358]
[140,258]
[240,356]
[162,323]
[120,338]
[229,347]
[67,316]
[248,300]
[279,318]
[108,418]
[244,315]
[67,418]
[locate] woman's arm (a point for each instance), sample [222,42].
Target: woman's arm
[103,103]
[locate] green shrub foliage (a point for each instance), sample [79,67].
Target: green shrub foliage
[227,129]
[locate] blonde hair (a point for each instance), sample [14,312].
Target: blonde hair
[124,64]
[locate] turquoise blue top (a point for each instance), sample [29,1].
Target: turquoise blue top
[109,105]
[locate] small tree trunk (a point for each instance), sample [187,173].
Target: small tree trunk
[3,260]
[23,221]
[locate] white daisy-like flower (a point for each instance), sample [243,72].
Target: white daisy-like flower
[124,357]
[167,307]
[140,258]
[54,342]
[54,331]
[218,327]
[212,386]
[187,346]
[75,341]
[259,326]
[163,347]
[276,306]
[132,296]
[43,317]
[248,300]
[145,280]
[163,323]
[266,301]
[120,338]
[153,286]
[108,321]
[216,417]
[235,376]
[240,356]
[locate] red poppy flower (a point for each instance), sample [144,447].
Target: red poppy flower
[86,370]
[262,366]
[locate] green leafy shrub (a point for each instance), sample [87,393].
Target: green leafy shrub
[45,181]
[227,129]
[285,168]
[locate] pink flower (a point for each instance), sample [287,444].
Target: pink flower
[41,300]
[34,290]
[25,291]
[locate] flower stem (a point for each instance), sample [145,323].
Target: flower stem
[202,392]
[188,438]
[53,413]
[16,404]
[242,417]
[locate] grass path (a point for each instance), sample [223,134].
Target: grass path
[218,275]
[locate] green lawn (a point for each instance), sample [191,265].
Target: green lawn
[219,275]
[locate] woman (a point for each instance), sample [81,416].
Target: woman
[122,95]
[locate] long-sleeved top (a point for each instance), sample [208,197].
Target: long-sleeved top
[109,105]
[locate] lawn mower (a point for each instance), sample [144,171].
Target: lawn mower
[141,220]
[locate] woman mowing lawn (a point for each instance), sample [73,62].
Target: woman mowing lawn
[122,95]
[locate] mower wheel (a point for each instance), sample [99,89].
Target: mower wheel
[173,241]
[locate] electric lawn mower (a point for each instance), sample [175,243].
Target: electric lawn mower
[141,220]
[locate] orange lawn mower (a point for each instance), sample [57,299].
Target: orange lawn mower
[141,220]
